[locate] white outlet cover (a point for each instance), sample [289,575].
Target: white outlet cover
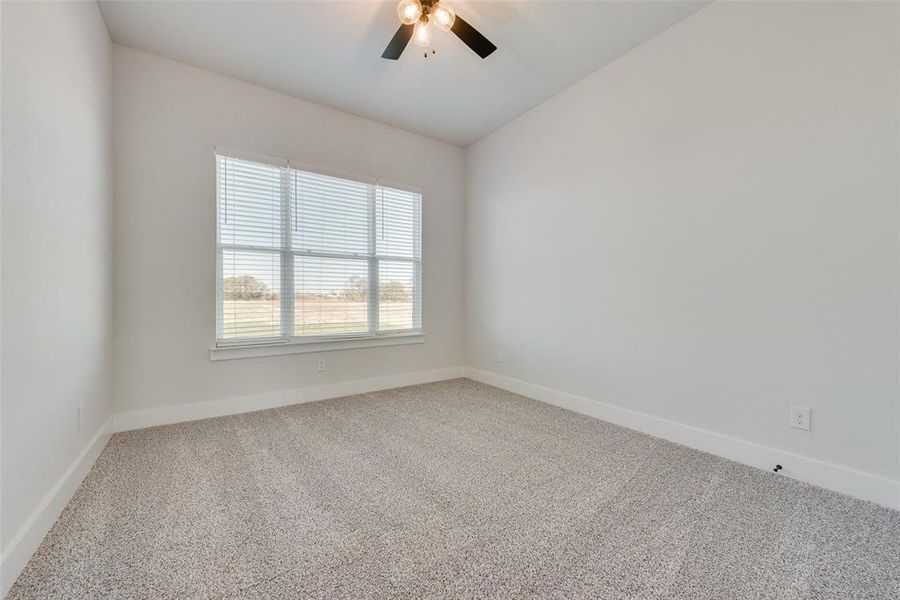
[321,366]
[800,417]
[499,356]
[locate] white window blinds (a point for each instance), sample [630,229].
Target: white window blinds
[306,255]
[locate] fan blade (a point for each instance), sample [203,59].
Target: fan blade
[470,36]
[398,42]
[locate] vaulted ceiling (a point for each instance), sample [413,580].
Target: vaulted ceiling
[330,53]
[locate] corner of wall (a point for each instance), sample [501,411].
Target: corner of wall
[26,541]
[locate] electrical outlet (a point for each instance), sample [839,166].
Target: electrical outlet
[79,418]
[321,366]
[499,356]
[800,417]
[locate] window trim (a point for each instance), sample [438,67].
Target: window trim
[224,349]
[325,344]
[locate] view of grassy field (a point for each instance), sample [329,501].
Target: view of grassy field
[262,317]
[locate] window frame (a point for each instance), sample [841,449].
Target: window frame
[287,342]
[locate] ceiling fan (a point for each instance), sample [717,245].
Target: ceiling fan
[417,16]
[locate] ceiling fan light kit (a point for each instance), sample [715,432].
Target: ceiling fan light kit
[417,18]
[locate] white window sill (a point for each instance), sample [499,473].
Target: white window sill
[326,345]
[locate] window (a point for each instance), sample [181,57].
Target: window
[306,256]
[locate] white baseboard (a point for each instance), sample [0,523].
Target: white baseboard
[852,482]
[841,479]
[232,406]
[20,549]
[23,545]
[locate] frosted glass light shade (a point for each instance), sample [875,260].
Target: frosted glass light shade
[422,33]
[443,16]
[409,11]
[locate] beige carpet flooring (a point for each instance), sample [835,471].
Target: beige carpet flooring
[453,489]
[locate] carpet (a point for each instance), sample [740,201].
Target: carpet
[452,489]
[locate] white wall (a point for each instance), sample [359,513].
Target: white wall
[56,249]
[706,230]
[168,119]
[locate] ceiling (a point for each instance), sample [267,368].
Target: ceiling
[330,53]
